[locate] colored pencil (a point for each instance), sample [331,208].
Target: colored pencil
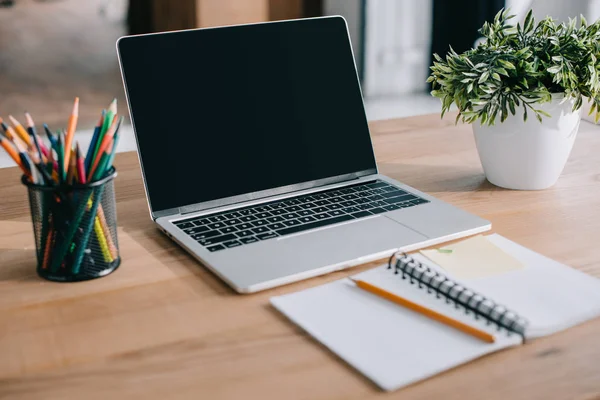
[108,120]
[89,155]
[61,157]
[71,127]
[39,144]
[470,330]
[80,165]
[23,135]
[106,141]
[8,147]
[72,167]
[113,152]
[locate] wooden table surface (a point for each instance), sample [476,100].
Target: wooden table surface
[163,327]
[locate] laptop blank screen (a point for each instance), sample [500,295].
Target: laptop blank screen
[229,111]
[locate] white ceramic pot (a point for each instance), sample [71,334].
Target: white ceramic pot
[528,155]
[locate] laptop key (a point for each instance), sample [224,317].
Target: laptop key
[216,247]
[200,222]
[361,214]
[361,200]
[217,239]
[247,211]
[322,216]
[233,221]
[205,235]
[391,207]
[306,219]
[348,203]
[278,211]
[261,209]
[275,219]
[293,208]
[336,213]
[276,206]
[317,224]
[216,225]
[376,197]
[265,236]
[399,199]
[217,218]
[290,215]
[322,202]
[291,222]
[185,225]
[419,201]
[319,196]
[234,214]
[276,226]
[291,202]
[378,210]
[334,206]
[232,243]
[197,229]
[248,240]
[244,226]
[305,213]
[376,184]
[247,218]
[246,233]
[350,197]
[307,205]
[364,206]
[320,209]
[260,222]
[394,193]
[228,229]
[260,229]
[350,210]
[263,215]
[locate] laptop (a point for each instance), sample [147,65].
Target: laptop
[256,154]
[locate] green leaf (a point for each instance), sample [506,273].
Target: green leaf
[496,76]
[524,113]
[554,69]
[544,113]
[528,24]
[484,77]
[502,71]
[511,105]
[506,64]
[470,87]
[539,117]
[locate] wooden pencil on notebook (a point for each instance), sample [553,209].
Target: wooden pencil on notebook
[434,315]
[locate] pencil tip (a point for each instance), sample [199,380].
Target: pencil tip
[29,120]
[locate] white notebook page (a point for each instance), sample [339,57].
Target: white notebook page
[391,345]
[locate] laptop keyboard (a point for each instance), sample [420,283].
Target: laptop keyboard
[248,225]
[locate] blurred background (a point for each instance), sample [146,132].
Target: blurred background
[54,50]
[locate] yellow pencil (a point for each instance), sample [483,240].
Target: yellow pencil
[20,130]
[477,333]
[102,241]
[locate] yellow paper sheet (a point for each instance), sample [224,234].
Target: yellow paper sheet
[473,258]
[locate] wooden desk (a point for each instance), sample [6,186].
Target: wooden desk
[167,328]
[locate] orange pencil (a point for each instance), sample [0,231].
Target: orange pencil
[71,132]
[477,333]
[104,145]
[12,153]
[23,135]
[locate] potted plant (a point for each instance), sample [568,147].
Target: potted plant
[544,71]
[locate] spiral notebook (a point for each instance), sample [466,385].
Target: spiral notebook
[394,346]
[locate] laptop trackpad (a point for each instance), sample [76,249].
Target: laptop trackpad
[304,252]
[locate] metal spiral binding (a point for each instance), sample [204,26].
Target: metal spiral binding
[452,292]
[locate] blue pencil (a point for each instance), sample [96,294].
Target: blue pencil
[90,152]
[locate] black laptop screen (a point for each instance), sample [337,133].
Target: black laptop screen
[229,111]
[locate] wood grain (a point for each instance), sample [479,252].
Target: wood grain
[167,328]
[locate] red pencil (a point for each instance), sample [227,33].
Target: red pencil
[80,165]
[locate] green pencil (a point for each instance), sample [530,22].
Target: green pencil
[108,119]
[61,157]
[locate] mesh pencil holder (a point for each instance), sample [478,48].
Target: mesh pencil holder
[75,229]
